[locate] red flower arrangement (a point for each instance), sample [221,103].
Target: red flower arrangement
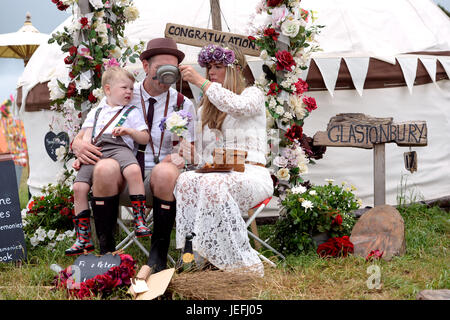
[310,103]
[274,88]
[285,61]
[274,3]
[60,5]
[294,133]
[300,87]
[103,284]
[335,247]
[270,32]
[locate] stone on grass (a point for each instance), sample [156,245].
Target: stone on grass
[381,228]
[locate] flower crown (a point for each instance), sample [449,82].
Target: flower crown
[216,53]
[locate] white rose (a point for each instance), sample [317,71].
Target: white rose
[175,120]
[131,13]
[98,93]
[60,153]
[279,109]
[290,27]
[283,174]
[264,55]
[55,91]
[116,52]
[97,4]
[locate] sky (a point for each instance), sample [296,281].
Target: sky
[45,17]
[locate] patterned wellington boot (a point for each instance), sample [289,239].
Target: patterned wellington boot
[83,242]
[140,227]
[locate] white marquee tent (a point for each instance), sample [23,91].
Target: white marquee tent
[384,59]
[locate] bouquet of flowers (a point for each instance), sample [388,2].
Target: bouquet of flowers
[310,210]
[103,284]
[176,122]
[335,247]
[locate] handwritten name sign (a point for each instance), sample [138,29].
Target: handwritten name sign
[362,131]
[91,265]
[200,37]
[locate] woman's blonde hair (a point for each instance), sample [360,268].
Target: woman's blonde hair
[235,82]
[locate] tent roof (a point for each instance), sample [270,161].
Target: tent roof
[356,30]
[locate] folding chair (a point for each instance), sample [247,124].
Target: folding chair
[131,237]
[252,214]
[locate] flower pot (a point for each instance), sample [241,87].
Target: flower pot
[320,238]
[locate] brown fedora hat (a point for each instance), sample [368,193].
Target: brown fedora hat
[162,46]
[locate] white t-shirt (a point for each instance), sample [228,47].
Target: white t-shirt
[167,145]
[134,120]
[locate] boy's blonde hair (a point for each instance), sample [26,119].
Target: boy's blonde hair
[114,73]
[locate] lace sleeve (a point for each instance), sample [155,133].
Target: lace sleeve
[248,103]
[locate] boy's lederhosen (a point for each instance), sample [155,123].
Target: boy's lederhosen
[112,147]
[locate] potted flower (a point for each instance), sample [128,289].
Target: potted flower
[312,215]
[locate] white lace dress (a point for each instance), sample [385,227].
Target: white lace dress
[211,204]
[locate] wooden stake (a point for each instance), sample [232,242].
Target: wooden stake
[215,14]
[379,174]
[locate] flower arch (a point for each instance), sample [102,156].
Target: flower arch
[287,38]
[94,41]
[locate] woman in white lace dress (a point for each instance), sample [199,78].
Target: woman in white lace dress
[211,205]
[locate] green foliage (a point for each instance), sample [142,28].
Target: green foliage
[311,211]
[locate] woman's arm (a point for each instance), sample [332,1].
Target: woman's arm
[250,102]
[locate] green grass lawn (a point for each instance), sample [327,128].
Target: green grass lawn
[424,266]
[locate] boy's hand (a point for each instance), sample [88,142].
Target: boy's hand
[76,165]
[120,131]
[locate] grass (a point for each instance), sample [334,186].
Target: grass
[424,266]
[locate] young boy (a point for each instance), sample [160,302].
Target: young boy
[115,127]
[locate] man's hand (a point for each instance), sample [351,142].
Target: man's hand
[86,152]
[187,150]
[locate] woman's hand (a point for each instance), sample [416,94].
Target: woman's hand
[189,74]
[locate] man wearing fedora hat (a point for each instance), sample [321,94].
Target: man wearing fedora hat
[161,164]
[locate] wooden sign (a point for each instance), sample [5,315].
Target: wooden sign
[361,131]
[53,141]
[12,240]
[200,37]
[91,265]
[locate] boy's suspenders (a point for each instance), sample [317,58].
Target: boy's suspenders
[119,123]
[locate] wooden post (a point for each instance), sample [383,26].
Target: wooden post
[254,229]
[215,14]
[379,174]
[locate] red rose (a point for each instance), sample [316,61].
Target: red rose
[335,247]
[374,254]
[300,87]
[327,249]
[251,38]
[65,211]
[294,133]
[285,61]
[71,90]
[273,89]
[61,6]
[310,103]
[73,50]
[274,3]
[337,220]
[92,98]
[84,22]
[71,75]
[68,60]
[270,32]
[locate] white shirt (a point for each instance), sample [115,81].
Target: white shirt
[134,120]
[167,145]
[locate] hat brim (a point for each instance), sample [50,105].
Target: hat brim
[153,52]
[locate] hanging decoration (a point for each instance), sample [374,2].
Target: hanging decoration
[287,39]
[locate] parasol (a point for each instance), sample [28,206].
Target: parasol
[23,43]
